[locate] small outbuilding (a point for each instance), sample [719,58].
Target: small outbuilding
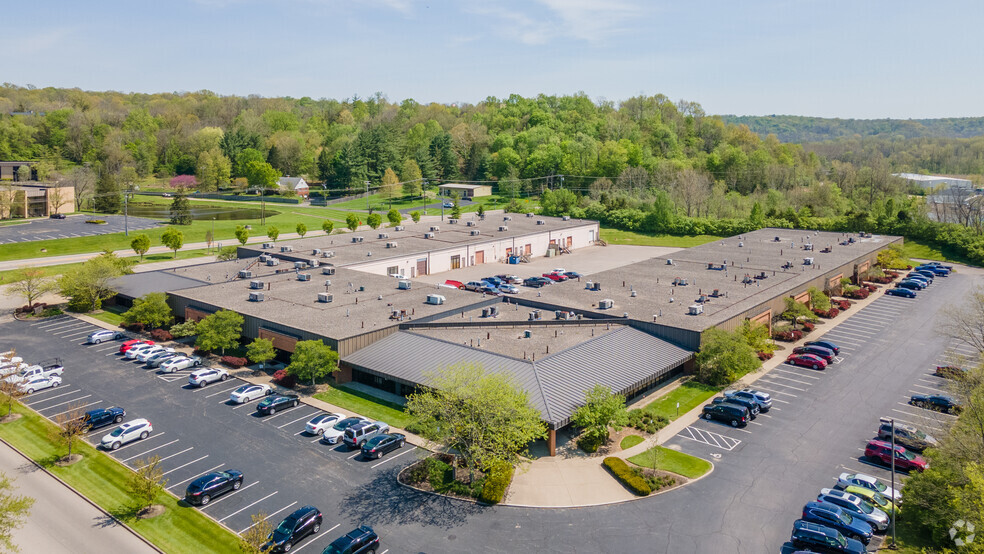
[466,191]
[296,184]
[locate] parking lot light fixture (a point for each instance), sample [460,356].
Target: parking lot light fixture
[891,420]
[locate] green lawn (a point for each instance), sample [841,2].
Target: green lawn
[629,441]
[103,480]
[56,270]
[617,236]
[673,461]
[690,395]
[923,251]
[366,405]
[111,314]
[383,205]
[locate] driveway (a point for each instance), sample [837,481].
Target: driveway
[71,226]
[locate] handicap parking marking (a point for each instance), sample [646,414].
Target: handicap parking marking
[148,451]
[248,506]
[711,438]
[185,465]
[233,493]
[270,516]
[169,377]
[195,476]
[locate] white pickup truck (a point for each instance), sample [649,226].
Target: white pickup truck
[43,369]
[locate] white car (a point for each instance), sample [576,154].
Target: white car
[559,270]
[249,393]
[8,355]
[39,383]
[208,375]
[177,364]
[868,482]
[157,359]
[10,368]
[145,355]
[103,335]
[336,432]
[134,351]
[322,422]
[128,432]
[508,288]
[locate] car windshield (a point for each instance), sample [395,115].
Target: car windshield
[919,434]
[286,526]
[845,518]
[346,423]
[908,455]
[319,419]
[879,499]
[117,432]
[373,442]
[879,486]
[840,540]
[865,506]
[243,388]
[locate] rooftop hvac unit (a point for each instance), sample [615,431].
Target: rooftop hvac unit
[807,261]
[470,223]
[541,222]
[475,232]
[485,312]
[597,286]
[507,218]
[741,244]
[329,254]
[267,245]
[303,276]
[428,235]
[435,228]
[435,299]
[589,285]
[273,261]
[530,214]
[669,261]
[452,220]
[356,239]
[403,284]
[566,218]
[256,285]
[327,282]
[325,297]
[244,274]
[391,245]
[286,248]
[534,315]
[327,270]
[807,247]
[256,297]
[384,235]
[316,251]
[399,228]
[696,309]
[300,265]
[503,228]
[314,263]
[606,304]
[563,315]
[264,258]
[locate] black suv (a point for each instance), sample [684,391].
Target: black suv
[731,413]
[301,523]
[358,541]
[102,417]
[201,491]
[536,282]
[753,407]
[820,538]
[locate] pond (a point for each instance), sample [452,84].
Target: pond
[200,213]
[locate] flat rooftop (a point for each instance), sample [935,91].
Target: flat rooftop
[512,341]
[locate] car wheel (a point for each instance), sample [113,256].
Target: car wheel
[55,384]
[236,485]
[115,446]
[288,546]
[401,444]
[273,411]
[734,423]
[708,417]
[206,499]
[371,551]
[268,392]
[118,419]
[198,363]
[320,432]
[144,435]
[293,404]
[223,378]
[317,527]
[97,341]
[201,384]
[814,366]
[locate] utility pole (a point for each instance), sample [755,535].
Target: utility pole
[891,420]
[368,208]
[126,227]
[213,229]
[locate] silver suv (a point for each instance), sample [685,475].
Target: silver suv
[763,399]
[357,435]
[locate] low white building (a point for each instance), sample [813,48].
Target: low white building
[935,181]
[296,184]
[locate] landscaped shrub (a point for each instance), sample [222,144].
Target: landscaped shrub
[870,288]
[790,335]
[282,378]
[234,361]
[808,327]
[856,293]
[647,422]
[496,481]
[765,355]
[589,443]
[48,312]
[828,314]
[160,335]
[627,477]
[842,304]
[135,327]
[96,221]
[656,481]
[29,308]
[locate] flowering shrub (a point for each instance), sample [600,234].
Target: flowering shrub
[135,327]
[184,181]
[160,335]
[870,287]
[842,304]
[857,294]
[765,355]
[234,361]
[827,314]
[791,335]
[808,327]
[27,308]
[284,379]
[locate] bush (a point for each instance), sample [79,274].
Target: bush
[842,304]
[134,327]
[234,361]
[497,479]
[627,477]
[765,355]
[284,379]
[808,327]
[856,293]
[657,482]
[790,335]
[589,443]
[185,329]
[29,308]
[160,335]
[96,221]
[647,422]
[828,314]
[48,312]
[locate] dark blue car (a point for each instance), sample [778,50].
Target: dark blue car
[834,517]
[912,285]
[903,292]
[824,344]
[942,271]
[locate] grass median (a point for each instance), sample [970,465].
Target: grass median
[690,395]
[673,461]
[617,236]
[365,405]
[103,480]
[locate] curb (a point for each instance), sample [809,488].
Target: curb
[84,497]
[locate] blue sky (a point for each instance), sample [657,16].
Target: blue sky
[833,58]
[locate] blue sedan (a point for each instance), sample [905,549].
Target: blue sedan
[906,293]
[913,285]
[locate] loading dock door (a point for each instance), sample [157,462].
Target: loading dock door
[422,266]
[528,249]
[480,257]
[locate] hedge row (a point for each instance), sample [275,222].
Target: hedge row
[627,477]
[496,481]
[234,361]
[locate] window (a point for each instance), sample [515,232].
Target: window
[455,262]
[393,270]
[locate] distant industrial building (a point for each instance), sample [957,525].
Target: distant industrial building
[934,182]
[466,191]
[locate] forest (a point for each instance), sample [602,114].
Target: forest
[796,128]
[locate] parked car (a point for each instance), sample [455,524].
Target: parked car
[925,273]
[128,432]
[825,344]
[131,343]
[357,541]
[47,368]
[753,409]
[536,282]
[912,284]
[148,354]
[511,279]
[179,363]
[448,204]
[299,524]
[877,499]
[157,359]
[824,354]
[914,276]
[558,270]
[835,517]
[908,436]
[950,372]
[867,481]
[102,417]
[322,422]
[56,216]
[271,404]
[208,375]
[202,490]
[335,434]
[856,506]
[881,451]
[136,350]
[97,337]
[455,284]
[507,288]
[900,291]
[763,399]
[938,402]
[475,286]
[938,264]
[807,360]
[249,393]
[360,433]
[938,270]
[558,277]
[39,382]
[729,413]
[573,274]
[821,538]
[495,281]
[382,444]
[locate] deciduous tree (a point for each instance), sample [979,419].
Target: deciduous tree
[147,481]
[415,216]
[312,359]
[88,286]
[220,330]
[273,233]
[31,283]
[70,426]
[260,351]
[180,210]
[140,244]
[15,510]
[255,539]
[150,309]
[412,178]
[327,226]
[11,391]
[602,409]
[352,222]
[374,220]
[173,239]
[724,357]
[301,229]
[390,186]
[394,216]
[242,234]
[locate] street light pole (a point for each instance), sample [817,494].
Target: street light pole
[891,420]
[213,230]
[367,197]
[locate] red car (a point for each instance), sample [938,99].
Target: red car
[556,276]
[131,343]
[453,283]
[807,360]
[881,451]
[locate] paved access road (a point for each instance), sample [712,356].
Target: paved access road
[71,226]
[763,475]
[60,521]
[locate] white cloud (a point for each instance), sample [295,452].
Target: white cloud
[542,21]
[591,20]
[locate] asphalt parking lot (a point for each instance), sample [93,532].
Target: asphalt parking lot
[764,473]
[71,226]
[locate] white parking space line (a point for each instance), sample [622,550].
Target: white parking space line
[226,391]
[774,392]
[185,465]
[754,422]
[195,476]
[116,353]
[269,516]
[280,413]
[845,340]
[134,443]
[244,404]
[40,400]
[384,460]
[866,332]
[49,322]
[228,495]
[934,389]
[765,415]
[247,507]
[101,348]
[781,384]
[356,454]
[73,330]
[151,450]
[55,324]
[315,440]
[927,410]
[82,407]
[793,380]
[65,402]
[177,453]
[296,420]
[900,420]
[76,336]
[798,374]
[65,325]
[312,541]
